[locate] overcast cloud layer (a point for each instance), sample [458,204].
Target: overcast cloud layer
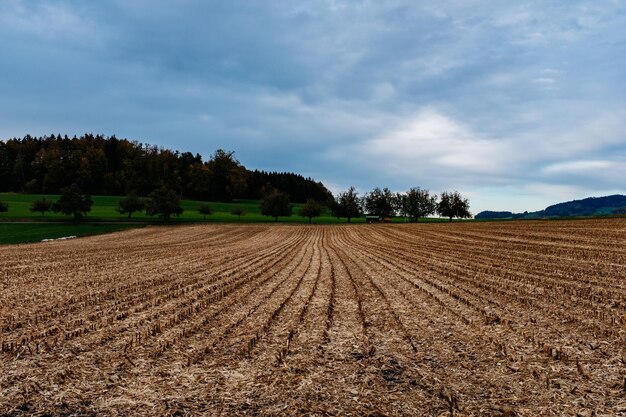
[516,104]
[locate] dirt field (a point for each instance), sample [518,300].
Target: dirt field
[476,319]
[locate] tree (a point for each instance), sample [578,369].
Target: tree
[237,211]
[381,203]
[311,209]
[130,204]
[228,177]
[276,203]
[418,203]
[4,207]
[73,202]
[42,205]
[164,202]
[347,204]
[452,204]
[205,210]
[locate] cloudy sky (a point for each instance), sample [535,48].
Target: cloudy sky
[517,104]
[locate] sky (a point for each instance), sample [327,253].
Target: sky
[516,104]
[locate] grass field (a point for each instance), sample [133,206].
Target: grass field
[35,232]
[462,319]
[105,208]
[34,227]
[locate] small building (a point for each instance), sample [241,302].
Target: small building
[372,219]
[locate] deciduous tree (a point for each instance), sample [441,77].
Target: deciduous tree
[276,203]
[205,210]
[131,204]
[418,203]
[381,203]
[237,211]
[41,206]
[311,209]
[73,202]
[453,204]
[348,204]
[164,202]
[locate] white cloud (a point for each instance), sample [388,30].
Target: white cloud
[431,143]
[579,167]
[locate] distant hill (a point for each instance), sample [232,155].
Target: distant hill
[592,206]
[488,214]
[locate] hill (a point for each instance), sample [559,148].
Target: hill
[110,166]
[592,206]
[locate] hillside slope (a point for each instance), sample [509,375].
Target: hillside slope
[591,206]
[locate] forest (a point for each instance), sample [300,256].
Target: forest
[102,165]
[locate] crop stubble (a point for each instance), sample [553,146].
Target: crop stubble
[474,319]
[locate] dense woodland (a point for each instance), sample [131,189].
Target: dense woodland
[102,165]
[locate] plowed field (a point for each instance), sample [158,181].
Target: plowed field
[464,319]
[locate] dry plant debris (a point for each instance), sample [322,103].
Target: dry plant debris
[462,319]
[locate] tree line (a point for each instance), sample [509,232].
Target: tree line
[380,204]
[101,165]
[413,204]
[97,165]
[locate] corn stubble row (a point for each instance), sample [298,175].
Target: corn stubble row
[474,319]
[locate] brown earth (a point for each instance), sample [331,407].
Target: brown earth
[463,319]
